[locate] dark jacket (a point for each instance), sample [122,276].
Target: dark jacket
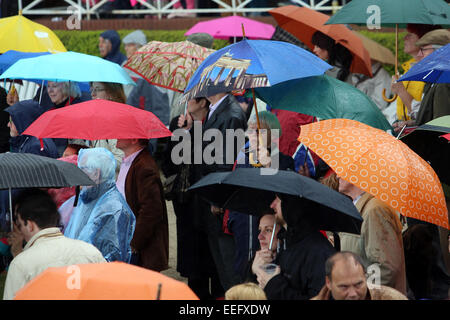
[114,55]
[435,102]
[228,115]
[144,194]
[4,119]
[23,114]
[302,264]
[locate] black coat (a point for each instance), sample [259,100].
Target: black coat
[302,264]
[302,269]
[228,115]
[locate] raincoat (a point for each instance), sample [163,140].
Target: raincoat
[114,55]
[23,114]
[102,216]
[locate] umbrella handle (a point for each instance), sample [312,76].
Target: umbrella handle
[387,99]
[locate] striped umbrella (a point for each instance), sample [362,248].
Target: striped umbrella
[26,170]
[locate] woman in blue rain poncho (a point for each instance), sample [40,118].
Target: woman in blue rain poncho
[102,216]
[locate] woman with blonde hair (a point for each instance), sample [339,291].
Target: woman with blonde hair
[245,291]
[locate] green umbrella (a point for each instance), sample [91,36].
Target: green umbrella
[394,12]
[397,13]
[326,98]
[427,142]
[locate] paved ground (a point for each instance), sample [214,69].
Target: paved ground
[172,272]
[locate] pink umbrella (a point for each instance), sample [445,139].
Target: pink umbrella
[229,27]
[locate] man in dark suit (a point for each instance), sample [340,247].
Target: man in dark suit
[140,183]
[224,113]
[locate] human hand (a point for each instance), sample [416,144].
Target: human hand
[15,240]
[263,277]
[262,257]
[216,210]
[12,97]
[185,121]
[397,87]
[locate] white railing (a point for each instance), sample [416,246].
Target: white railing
[88,8]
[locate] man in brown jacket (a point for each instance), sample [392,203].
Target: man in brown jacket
[140,183]
[380,243]
[346,280]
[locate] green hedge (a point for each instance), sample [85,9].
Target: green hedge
[87,41]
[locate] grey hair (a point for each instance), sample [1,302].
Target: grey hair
[71,89]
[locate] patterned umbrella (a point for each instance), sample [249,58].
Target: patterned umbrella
[168,64]
[381,165]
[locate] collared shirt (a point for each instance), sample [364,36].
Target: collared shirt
[357,198]
[124,167]
[213,107]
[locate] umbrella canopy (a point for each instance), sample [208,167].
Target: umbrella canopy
[377,52]
[251,190]
[398,12]
[434,68]
[229,27]
[429,142]
[10,57]
[104,281]
[26,170]
[324,97]
[303,22]
[168,64]
[68,66]
[381,165]
[252,64]
[97,120]
[21,34]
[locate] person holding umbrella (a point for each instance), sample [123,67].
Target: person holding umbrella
[300,275]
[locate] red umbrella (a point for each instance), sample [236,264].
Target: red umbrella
[97,120]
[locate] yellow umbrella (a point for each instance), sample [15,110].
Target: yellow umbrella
[377,51]
[21,34]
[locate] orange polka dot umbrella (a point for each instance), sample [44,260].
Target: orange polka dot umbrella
[381,165]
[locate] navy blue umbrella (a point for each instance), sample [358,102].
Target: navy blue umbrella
[434,68]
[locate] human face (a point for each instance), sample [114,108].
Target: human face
[123,144]
[265,231]
[348,281]
[12,129]
[425,51]
[104,46]
[130,48]
[409,41]
[98,91]
[55,92]
[195,108]
[344,186]
[321,53]
[26,229]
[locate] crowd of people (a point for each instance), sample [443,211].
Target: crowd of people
[221,253]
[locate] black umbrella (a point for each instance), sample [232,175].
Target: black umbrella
[26,170]
[427,142]
[251,191]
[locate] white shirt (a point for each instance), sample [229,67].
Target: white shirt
[124,167]
[213,107]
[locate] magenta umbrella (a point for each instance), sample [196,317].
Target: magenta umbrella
[229,27]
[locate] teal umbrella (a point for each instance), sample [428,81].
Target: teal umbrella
[326,98]
[393,12]
[397,13]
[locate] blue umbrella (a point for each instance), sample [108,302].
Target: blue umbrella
[68,66]
[251,64]
[10,57]
[435,68]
